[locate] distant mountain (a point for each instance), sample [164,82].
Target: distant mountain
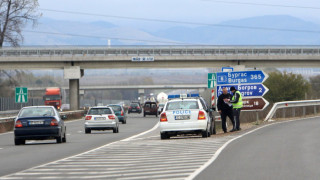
[235,32]
[51,32]
[222,35]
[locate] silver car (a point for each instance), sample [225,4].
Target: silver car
[101,118]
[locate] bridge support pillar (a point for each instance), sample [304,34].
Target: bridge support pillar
[141,95]
[73,73]
[74,94]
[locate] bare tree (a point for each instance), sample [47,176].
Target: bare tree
[14,15]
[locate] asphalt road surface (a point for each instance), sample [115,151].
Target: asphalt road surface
[34,153]
[281,151]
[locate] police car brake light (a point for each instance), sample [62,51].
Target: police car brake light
[201,115]
[163,117]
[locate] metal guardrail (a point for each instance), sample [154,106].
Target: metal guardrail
[289,104]
[10,119]
[160,50]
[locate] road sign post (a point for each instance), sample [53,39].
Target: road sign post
[21,95]
[212,86]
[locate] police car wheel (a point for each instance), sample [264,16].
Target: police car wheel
[87,131]
[164,136]
[204,134]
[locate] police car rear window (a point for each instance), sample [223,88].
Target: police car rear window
[98,111]
[182,105]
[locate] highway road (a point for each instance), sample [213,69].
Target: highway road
[288,150]
[17,158]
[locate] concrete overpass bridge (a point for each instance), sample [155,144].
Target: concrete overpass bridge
[74,59]
[164,57]
[176,86]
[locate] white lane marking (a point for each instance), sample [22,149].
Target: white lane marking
[6,133]
[218,152]
[67,122]
[1,148]
[92,150]
[68,134]
[143,133]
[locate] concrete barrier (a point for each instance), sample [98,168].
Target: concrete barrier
[7,123]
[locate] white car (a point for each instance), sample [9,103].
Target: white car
[101,118]
[186,116]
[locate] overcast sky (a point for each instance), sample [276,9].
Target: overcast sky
[207,11]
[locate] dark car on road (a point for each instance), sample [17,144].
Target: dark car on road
[150,108]
[134,108]
[39,123]
[120,112]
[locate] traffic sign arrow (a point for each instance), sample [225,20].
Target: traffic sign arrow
[211,80]
[241,77]
[254,104]
[247,90]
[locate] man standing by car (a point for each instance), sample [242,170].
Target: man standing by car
[237,105]
[225,109]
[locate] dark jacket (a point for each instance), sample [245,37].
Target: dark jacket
[221,104]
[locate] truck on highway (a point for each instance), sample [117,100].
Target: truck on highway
[162,99]
[53,97]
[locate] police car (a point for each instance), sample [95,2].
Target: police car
[186,114]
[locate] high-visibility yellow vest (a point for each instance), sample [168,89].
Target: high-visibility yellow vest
[239,104]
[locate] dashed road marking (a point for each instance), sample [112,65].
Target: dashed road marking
[132,158]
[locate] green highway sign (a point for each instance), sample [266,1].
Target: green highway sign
[21,95]
[211,80]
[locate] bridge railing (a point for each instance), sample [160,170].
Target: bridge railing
[163,51]
[293,104]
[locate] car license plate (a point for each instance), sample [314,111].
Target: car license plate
[182,117]
[99,118]
[147,111]
[36,122]
[133,110]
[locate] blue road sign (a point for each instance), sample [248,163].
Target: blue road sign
[247,90]
[241,77]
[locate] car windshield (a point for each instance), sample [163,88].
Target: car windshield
[98,111]
[52,97]
[115,107]
[36,112]
[182,105]
[134,105]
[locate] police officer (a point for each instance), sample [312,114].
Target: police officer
[237,105]
[225,108]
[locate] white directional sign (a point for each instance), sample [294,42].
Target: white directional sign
[21,95]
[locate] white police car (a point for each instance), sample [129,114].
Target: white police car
[186,115]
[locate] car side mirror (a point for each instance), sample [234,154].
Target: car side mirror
[64,117]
